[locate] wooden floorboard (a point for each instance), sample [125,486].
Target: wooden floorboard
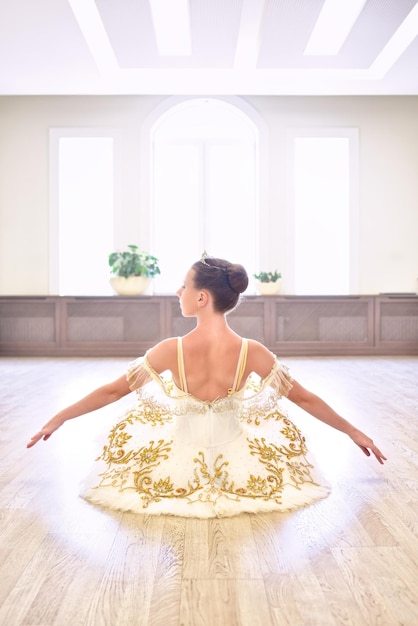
[351,559]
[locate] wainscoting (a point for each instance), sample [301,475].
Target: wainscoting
[287,325]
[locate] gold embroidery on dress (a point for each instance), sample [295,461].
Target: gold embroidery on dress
[255,414]
[134,469]
[146,412]
[150,412]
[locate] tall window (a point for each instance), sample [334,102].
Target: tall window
[324,213]
[204,187]
[82,203]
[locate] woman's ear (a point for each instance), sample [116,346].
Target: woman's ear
[203,298]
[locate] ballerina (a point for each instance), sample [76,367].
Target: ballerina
[207,436]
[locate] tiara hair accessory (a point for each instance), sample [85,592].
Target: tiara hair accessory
[203,259]
[214,267]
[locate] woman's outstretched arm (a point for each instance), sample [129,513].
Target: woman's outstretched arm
[314,405]
[97,399]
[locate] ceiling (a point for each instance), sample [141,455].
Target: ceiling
[241,47]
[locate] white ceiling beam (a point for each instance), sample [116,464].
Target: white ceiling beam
[249,36]
[172,29]
[334,23]
[397,44]
[94,32]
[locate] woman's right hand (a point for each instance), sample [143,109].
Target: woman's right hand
[46,431]
[100,397]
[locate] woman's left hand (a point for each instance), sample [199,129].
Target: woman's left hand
[367,445]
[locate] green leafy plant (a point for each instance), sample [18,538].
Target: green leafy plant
[133,262]
[268,277]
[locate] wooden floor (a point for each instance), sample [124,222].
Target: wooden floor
[351,559]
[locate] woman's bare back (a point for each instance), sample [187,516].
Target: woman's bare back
[210,364]
[211,358]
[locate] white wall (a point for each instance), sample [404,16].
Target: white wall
[388,129]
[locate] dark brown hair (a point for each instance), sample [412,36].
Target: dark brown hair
[226,281]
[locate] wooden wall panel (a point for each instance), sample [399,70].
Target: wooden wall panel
[287,325]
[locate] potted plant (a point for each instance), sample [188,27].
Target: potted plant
[268,283]
[132,270]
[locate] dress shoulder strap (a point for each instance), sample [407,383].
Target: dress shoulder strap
[180,365]
[242,362]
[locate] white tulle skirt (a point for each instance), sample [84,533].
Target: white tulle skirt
[181,456]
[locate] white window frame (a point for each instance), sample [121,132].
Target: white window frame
[352,134]
[55,134]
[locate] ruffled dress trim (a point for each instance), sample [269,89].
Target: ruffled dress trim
[140,372]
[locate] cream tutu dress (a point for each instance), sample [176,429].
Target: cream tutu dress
[175,454]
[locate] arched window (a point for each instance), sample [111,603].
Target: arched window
[204,187]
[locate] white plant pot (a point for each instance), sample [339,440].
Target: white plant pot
[132,286]
[268,289]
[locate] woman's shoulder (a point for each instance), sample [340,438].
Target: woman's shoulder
[259,350]
[260,360]
[163,355]
[268,368]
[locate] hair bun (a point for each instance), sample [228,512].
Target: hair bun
[237,277]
